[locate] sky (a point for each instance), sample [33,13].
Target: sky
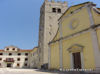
[19,21]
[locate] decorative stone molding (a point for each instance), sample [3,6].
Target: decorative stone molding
[75,48]
[96,10]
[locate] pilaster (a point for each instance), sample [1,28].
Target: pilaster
[94,40]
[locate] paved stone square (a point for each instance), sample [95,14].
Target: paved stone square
[21,71]
[37,71]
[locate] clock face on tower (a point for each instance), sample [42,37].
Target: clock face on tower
[74,23]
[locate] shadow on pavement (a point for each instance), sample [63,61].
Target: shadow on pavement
[67,72]
[60,72]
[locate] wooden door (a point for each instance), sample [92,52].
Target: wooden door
[77,60]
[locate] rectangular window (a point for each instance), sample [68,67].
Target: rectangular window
[0,59]
[25,64]
[26,54]
[19,54]
[26,59]
[10,54]
[7,49]
[18,65]
[1,53]
[18,59]
[13,49]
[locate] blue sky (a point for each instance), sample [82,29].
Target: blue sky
[19,21]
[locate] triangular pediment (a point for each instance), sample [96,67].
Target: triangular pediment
[75,48]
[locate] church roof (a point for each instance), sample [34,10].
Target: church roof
[75,7]
[21,50]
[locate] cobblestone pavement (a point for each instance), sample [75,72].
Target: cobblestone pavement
[21,71]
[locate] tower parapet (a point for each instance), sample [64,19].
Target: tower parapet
[53,1]
[46,0]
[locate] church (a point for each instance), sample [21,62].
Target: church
[69,38]
[76,44]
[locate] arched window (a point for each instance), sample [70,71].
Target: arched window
[59,10]
[53,9]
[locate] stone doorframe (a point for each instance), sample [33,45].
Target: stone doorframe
[73,49]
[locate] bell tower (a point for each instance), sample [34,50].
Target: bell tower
[50,12]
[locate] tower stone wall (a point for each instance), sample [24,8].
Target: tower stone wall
[50,12]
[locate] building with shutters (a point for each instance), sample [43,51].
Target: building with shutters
[14,57]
